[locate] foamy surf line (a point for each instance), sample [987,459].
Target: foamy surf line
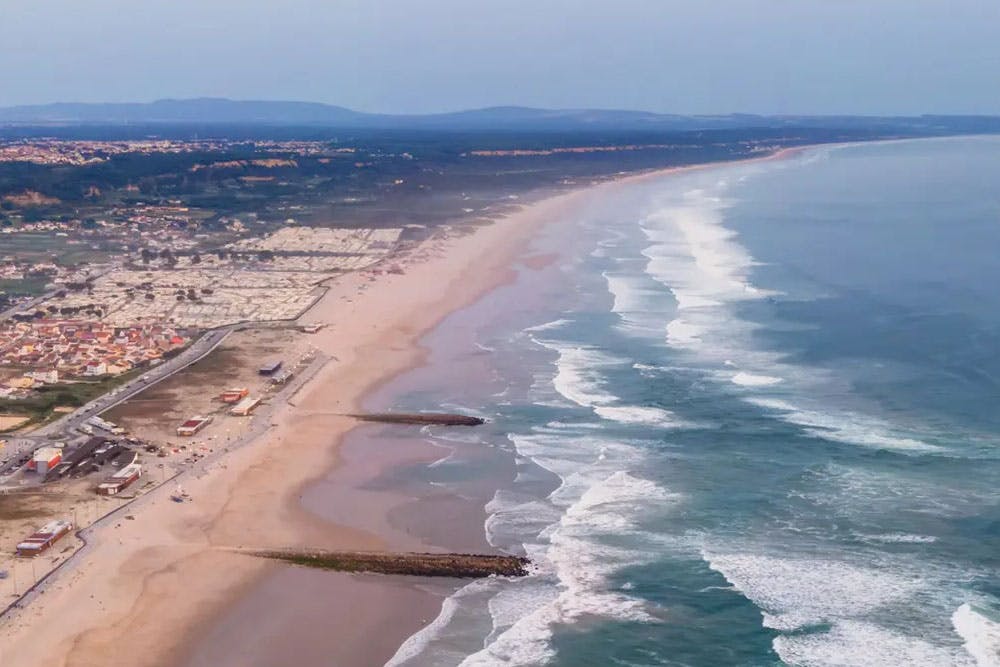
[979,627]
[845,427]
[751,380]
[699,261]
[579,379]
[823,608]
[573,563]
[563,535]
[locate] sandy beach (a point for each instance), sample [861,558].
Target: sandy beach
[158,589]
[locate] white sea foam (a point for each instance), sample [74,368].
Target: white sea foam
[573,559]
[980,630]
[695,256]
[640,305]
[579,378]
[797,592]
[864,644]
[700,261]
[632,295]
[857,491]
[633,414]
[444,460]
[843,426]
[687,300]
[483,347]
[578,375]
[511,516]
[898,538]
[683,333]
[751,380]
[554,324]
[417,643]
[824,610]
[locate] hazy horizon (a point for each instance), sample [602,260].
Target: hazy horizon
[388,56]
[483,108]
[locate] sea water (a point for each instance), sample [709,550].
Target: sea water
[755,416]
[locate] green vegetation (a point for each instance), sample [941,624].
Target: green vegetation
[31,286]
[40,406]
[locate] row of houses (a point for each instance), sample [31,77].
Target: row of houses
[82,348]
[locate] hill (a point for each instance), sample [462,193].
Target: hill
[208,111]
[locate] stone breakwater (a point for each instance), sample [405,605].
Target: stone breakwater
[420,418]
[456,565]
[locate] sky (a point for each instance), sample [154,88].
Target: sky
[421,56]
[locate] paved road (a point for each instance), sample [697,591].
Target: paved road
[261,422]
[66,426]
[65,429]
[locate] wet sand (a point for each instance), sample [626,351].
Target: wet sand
[149,591]
[313,617]
[164,589]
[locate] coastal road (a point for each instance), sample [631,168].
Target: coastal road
[90,536]
[67,428]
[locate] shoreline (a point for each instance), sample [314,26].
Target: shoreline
[110,607]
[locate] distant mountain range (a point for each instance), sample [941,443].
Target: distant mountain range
[213,111]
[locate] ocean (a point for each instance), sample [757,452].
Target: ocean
[753,415]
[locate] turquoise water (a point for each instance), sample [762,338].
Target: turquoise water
[755,412]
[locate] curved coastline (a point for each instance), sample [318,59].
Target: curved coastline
[168,575]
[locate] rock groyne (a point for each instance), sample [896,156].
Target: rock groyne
[457,565]
[420,418]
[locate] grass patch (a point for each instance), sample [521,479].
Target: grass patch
[40,406]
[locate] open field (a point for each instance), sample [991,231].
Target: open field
[154,415]
[23,512]
[11,422]
[49,401]
[47,246]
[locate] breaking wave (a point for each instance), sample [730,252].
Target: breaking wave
[694,256]
[981,631]
[824,610]
[573,558]
[579,378]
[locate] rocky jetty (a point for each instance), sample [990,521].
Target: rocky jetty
[420,418]
[462,566]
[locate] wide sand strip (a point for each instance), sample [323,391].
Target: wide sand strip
[144,588]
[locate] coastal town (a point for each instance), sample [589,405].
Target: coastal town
[142,307]
[187,325]
[83,152]
[153,294]
[54,348]
[500,334]
[101,316]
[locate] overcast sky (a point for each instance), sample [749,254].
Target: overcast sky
[683,56]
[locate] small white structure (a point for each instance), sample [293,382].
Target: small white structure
[95,368]
[120,480]
[45,377]
[245,407]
